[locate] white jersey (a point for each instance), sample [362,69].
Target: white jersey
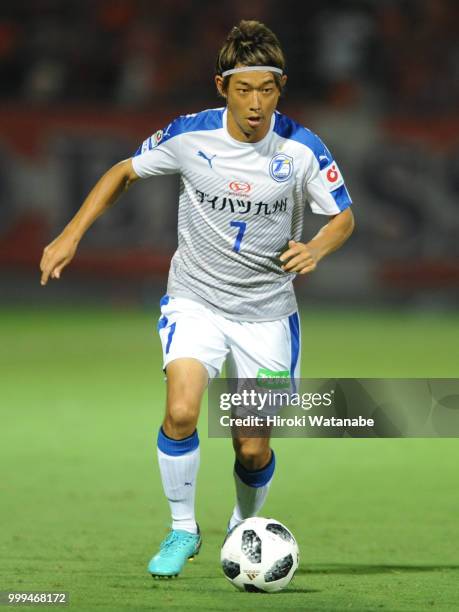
[240,204]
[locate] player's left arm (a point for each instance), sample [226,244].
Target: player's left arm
[303,257]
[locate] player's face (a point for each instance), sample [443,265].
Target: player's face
[251,99]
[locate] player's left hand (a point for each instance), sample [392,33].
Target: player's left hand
[299,258]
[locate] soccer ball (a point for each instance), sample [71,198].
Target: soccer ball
[259,554]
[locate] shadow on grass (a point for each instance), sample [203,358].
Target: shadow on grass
[290,590]
[361,569]
[221,587]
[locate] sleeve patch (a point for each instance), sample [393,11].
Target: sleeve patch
[332,176]
[152,142]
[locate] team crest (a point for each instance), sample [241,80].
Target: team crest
[281,167]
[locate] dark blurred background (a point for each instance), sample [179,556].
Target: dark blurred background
[82,84]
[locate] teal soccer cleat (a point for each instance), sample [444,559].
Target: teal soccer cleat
[173,552]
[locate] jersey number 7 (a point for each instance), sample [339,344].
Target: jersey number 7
[242,225]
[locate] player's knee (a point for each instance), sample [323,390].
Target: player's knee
[180,420]
[251,453]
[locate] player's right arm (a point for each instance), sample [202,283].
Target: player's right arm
[158,154]
[60,252]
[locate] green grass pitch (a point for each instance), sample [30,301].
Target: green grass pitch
[81,505]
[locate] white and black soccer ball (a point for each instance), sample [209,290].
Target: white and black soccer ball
[259,554]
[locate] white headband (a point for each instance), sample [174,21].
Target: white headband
[250,68]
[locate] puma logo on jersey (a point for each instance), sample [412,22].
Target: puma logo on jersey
[208,159]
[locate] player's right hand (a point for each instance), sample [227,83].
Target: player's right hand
[56,256]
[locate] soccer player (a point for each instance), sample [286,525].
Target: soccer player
[246,172]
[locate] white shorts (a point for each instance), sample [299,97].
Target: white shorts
[250,348]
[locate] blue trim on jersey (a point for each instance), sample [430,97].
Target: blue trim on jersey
[211,119]
[169,337]
[342,197]
[164,300]
[256,478]
[162,323]
[169,446]
[294,324]
[287,128]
